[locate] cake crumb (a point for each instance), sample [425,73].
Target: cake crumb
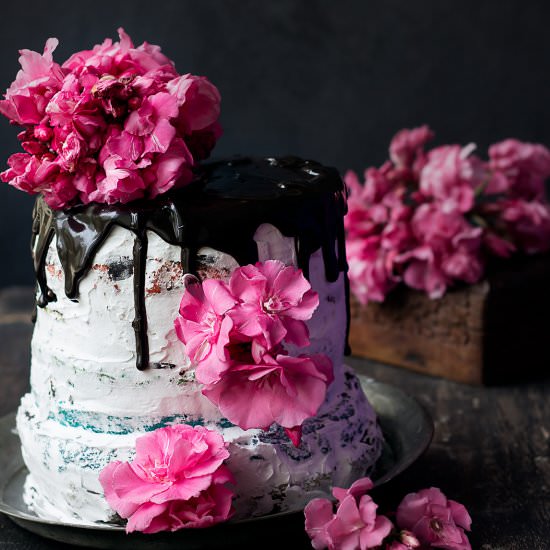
[165,277]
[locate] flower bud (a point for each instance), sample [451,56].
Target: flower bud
[408,539]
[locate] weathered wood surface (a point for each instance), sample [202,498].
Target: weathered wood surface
[491,449]
[475,334]
[440,337]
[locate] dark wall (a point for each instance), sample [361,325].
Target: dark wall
[325,79]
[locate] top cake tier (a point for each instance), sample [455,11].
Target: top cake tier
[221,210]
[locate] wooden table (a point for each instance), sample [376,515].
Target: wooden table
[491,448]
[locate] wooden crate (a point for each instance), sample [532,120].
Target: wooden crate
[493,332]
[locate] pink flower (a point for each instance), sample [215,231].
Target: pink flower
[355,525]
[407,146]
[274,301]
[211,506]
[462,259]
[30,174]
[118,59]
[526,166]
[434,520]
[122,182]
[319,513]
[203,326]
[449,248]
[117,120]
[451,176]
[36,82]
[22,172]
[371,270]
[71,150]
[356,490]
[199,103]
[422,272]
[368,204]
[171,170]
[61,192]
[201,142]
[528,222]
[150,123]
[175,481]
[280,389]
[234,332]
[113,94]
[378,230]
[497,245]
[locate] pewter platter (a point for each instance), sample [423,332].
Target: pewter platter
[407,429]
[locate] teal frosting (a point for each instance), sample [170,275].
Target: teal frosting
[122,425]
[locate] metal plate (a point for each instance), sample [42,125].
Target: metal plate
[407,429]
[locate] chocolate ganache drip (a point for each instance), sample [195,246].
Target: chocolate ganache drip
[222,209]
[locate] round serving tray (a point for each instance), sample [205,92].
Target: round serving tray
[407,429]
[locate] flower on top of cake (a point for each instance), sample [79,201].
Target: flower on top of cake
[235,334]
[110,125]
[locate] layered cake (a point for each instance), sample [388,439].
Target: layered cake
[107,365]
[191,320]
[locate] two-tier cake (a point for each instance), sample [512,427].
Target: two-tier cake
[135,246]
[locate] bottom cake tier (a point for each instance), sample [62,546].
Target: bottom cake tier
[339,445]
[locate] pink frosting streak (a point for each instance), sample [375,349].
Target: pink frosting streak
[110,125]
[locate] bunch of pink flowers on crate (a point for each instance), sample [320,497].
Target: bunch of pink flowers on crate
[432,219]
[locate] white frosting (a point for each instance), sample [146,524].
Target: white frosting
[89,402]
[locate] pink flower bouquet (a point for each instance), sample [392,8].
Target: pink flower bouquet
[431,219]
[110,125]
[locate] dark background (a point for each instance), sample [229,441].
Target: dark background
[325,79]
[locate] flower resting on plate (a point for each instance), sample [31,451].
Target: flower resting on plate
[354,525]
[110,125]
[176,480]
[436,521]
[424,520]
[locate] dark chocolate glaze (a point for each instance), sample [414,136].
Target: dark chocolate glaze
[222,209]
